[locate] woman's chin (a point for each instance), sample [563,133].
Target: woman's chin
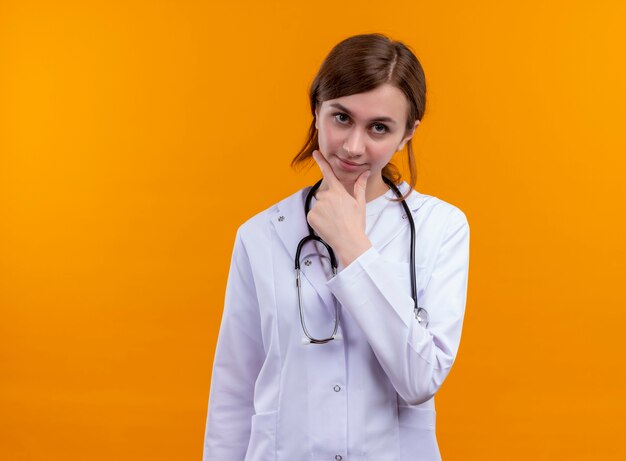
[347,174]
[347,180]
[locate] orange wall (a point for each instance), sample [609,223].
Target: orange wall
[135,137]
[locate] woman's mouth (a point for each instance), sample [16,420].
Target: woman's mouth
[347,165]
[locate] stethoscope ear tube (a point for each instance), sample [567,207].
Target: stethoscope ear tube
[333,262]
[409,216]
[420,313]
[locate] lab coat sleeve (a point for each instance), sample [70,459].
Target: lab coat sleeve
[416,359]
[238,358]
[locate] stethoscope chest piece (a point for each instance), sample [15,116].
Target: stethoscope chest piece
[422,316]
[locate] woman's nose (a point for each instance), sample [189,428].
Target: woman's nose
[354,144]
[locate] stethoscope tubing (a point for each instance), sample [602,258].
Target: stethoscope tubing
[420,314]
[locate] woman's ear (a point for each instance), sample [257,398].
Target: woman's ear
[408,137]
[317,116]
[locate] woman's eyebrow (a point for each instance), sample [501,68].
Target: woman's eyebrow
[336,105]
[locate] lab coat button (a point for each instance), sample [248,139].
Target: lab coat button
[338,457]
[337,389]
[307,262]
[281,218]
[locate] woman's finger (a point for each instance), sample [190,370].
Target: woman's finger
[327,171]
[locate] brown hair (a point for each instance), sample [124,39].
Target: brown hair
[359,64]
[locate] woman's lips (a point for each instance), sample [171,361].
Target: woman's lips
[348,165]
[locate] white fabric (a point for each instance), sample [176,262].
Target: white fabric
[367,396]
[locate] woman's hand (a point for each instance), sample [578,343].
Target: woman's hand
[338,217]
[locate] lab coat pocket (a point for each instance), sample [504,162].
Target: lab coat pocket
[262,445]
[418,441]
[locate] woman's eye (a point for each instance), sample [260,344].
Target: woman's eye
[379,128]
[341,118]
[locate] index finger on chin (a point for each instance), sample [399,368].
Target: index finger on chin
[324,166]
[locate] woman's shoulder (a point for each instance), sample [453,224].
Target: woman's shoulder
[291,206]
[433,209]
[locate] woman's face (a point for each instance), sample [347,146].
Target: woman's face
[362,132]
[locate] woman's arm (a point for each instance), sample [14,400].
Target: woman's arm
[416,359]
[238,358]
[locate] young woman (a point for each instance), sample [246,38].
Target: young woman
[344,363]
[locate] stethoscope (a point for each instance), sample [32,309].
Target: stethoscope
[420,313]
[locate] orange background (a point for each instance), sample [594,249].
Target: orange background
[136,136]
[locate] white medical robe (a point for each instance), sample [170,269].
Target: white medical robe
[365,396]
